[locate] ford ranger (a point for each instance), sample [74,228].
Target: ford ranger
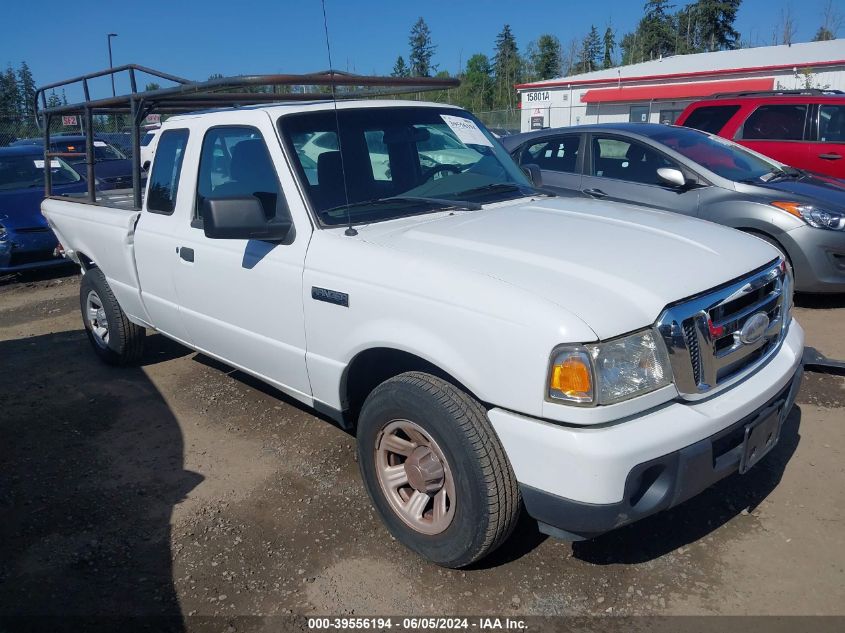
[493,348]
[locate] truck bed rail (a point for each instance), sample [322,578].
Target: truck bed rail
[187,96]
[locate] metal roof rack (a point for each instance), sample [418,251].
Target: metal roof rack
[777,93]
[187,96]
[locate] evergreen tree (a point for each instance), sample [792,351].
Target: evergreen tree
[609,42]
[400,69]
[152,86]
[546,58]
[591,48]
[9,95]
[657,30]
[26,90]
[422,50]
[53,100]
[714,20]
[506,68]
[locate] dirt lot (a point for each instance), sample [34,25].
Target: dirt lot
[185,488]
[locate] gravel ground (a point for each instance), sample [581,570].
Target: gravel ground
[184,488]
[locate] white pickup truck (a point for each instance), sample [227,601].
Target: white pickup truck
[493,347]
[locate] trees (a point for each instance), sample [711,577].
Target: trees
[831,23]
[714,21]
[506,68]
[26,89]
[400,68]
[590,52]
[609,41]
[478,83]
[10,102]
[546,58]
[422,50]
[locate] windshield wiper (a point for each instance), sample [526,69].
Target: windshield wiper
[507,187]
[781,174]
[444,203]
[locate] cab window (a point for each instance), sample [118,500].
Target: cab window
[711,118]
[167,167]
[235,163]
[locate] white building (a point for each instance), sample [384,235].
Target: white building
[659,90]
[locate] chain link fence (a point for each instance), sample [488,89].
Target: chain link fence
[501,121]
[115,130]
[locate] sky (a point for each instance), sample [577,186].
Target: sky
[194,39]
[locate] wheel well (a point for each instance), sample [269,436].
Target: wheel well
[372,367]
[86,262]
[769,238]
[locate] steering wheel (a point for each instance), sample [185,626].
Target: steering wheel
[430,173]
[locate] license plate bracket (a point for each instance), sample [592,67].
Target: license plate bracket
[761,435]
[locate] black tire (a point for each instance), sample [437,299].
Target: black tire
[488,502]
[125,342]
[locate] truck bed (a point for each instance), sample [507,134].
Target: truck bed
[101,234]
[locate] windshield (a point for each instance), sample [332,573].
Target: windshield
[102,150]
[27,171]
[721,156]
[397,162]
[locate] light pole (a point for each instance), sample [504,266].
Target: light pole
[111,65]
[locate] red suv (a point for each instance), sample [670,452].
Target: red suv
[804,129]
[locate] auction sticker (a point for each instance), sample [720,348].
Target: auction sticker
[466,130]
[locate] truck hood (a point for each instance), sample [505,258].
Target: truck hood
[614,266]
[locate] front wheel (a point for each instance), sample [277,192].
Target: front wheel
[115,339]
[435,470]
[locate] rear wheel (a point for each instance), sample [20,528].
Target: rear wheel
[435,470]
[115,339]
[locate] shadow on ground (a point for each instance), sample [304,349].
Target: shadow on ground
[91,465]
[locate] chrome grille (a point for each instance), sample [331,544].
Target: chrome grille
[716,338]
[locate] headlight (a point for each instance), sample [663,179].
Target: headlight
[813,215]
[605,373]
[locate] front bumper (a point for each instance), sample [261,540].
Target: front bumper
[581,482]
[818,258]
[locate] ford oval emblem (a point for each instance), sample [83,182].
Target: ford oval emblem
[754,329]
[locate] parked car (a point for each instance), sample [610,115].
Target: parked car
[120,140]
[26,240]
[492,346]
[114,169]
[804,129]
[700,175]
[148,147]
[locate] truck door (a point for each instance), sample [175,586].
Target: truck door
[625,170]
[241,300]
[156,242]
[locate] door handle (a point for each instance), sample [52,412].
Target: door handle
[186,253]
[595,193]
[830,156]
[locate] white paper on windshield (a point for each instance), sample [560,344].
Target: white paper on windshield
[99,144]
[466,130]
[39,164]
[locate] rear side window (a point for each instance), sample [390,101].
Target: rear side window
[776,123]
[711,118]
[556,154]
[832,123]
[235,163]
[167,167]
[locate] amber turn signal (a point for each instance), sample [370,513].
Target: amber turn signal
[571,377]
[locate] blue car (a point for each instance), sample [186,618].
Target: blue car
[26,241]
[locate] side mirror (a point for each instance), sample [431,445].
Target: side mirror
[534,174]
[672,177]
[241,219]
